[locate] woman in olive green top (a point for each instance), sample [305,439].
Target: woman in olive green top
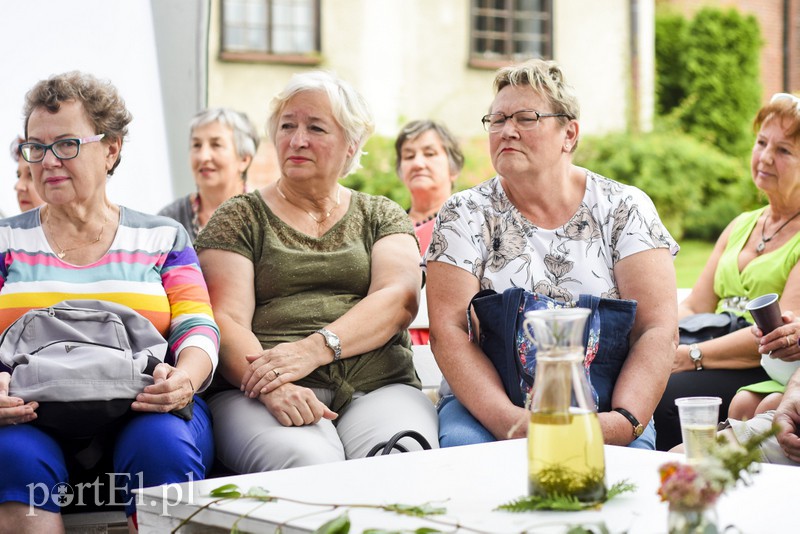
[313,286]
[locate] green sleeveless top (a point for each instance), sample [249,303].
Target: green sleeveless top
[765,274]
[303,283]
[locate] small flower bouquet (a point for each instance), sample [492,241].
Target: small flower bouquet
[692,490]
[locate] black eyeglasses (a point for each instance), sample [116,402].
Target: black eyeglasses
[524,119]
[62,149]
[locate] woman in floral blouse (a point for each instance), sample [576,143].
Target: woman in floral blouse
[550,227]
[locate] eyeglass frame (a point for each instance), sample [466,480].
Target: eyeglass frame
[45,148]
[789,96]
[487,122]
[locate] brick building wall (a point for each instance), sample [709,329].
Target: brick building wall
[770,15]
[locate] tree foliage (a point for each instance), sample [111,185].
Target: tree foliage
[708,68]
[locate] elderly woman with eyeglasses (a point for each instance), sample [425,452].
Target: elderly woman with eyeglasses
[27,197]
[81,245]
[223,143]
[758,253]
[549,227]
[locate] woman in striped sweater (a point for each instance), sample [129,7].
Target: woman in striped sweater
[80,245]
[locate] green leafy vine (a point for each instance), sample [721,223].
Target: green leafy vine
[341,523]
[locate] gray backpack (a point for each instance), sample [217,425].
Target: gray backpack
[83,361]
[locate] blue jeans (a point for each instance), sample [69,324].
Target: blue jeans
[152,449]
[458,427]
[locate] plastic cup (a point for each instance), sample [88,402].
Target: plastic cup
[698,416]
[766,312]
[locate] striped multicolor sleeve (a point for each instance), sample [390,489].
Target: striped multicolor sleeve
[191,319]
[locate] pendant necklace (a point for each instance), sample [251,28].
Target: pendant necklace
[316,220]
[764,240]
[64,251]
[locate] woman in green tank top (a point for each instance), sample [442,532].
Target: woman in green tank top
[757,254]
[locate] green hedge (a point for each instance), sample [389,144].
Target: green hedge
[707,75]
[696,188]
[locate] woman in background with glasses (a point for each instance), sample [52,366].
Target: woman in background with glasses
[80,245]
[27,197]
[549,227]
[757,253]
[223,145]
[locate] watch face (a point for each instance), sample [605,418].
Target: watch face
[695,354]
[332,339]
[638,430]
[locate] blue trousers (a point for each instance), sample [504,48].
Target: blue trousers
[150,450]
[458,427]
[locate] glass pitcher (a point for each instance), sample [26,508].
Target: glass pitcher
[565,443]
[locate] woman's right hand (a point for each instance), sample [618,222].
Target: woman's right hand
[294,405]
[14,410]
[784,342]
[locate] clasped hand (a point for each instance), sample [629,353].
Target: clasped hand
[282,364]
[14,410]
[171,390]
[294,405]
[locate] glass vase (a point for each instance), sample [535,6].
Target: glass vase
[700,520]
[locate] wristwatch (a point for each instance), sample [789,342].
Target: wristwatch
[332,341]
[696,355]
[638,429]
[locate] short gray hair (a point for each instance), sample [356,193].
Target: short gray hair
[414,129]
[245,136]
[547,79]
[349,109]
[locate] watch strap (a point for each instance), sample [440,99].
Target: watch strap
[638,429]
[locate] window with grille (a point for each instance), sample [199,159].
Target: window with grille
[280,30]
[504,31]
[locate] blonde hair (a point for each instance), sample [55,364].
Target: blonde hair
[547,79]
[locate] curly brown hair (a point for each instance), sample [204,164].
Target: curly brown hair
[104,106]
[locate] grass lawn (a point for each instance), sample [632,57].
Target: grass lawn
[691,260]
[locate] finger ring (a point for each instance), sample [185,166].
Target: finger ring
[788,343]
[277,373]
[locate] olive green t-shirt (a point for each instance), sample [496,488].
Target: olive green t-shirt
[303,283]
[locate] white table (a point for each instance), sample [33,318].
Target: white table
[470,482]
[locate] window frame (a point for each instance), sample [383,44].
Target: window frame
[480,59]
[254,56]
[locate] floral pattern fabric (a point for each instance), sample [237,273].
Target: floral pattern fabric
[481,231]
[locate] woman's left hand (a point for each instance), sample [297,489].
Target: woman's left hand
[284,363]
[781,342]
[172,390]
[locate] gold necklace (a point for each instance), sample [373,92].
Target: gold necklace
[64,251]
[318,221]
[764,240]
